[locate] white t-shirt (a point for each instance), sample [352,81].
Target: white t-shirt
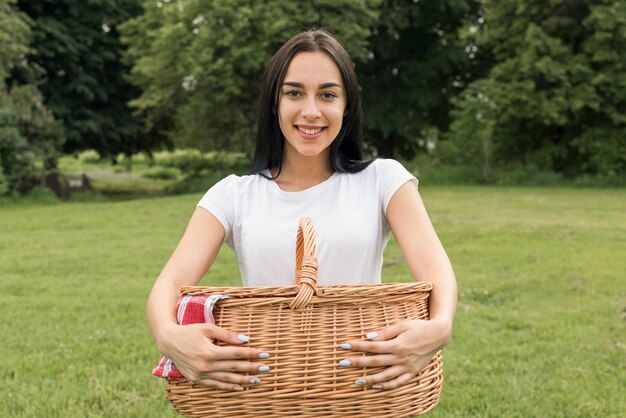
[348,213]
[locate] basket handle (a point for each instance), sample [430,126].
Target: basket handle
[306,264]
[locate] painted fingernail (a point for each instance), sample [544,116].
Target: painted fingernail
[360,381]
[264,355]
[371,335]
[377,387]
[264,368]
[243,338]
[345,363]
[255,380]
[346,346]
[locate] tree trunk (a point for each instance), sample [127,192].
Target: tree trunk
[487,155]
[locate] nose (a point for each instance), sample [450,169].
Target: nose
[310,110]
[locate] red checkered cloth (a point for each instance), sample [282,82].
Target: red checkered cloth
[196,309]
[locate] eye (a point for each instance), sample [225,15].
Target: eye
[292,93]
[328,95]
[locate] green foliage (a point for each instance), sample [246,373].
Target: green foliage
[15,156]
[471,132]
[163,173]
[30,137]
[45,134]
[557,92]
[14,36]
[415,64]
[191,161]
[76,62]
[198,62]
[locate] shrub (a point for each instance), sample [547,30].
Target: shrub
[161,173]
[193,162]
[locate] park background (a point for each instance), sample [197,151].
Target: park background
[115,117]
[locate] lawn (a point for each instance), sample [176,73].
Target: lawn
[540,329]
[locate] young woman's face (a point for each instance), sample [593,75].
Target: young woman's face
[311,105]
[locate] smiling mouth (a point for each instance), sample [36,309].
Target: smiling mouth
[310,131]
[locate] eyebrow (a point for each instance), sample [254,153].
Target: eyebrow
[321,86]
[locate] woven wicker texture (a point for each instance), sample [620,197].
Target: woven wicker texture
[302,327]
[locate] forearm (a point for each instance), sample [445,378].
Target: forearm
[194,254]
[161,308]
[443,297]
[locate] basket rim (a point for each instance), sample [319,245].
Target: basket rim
[387,289]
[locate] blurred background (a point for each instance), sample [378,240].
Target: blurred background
[156,97]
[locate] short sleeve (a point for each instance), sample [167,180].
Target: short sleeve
[220,201]
[392,175]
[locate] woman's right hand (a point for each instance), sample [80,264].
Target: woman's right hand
[191,349]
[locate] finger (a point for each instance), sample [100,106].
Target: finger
[370,361]
[386,375]
[394,383]
[238,353]
[387,333]
[235,366]
[378,347]
[234,378]
[218,333]
[216,384]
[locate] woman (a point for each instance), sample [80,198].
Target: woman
[307,162]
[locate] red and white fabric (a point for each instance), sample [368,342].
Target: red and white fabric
[190,309]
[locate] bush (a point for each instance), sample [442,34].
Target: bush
[161,173]
[195,183]
[431,171]
[527,175]
[42,195]
[89,157]
[193,162]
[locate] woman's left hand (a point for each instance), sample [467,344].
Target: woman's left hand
[405,348]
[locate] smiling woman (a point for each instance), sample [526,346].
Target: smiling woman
[310,109]
[308,162]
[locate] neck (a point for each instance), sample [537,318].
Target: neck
[300,173]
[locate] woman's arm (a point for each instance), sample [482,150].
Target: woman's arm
[423,252]
[190,347]
[408,346]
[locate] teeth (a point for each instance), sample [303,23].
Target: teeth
[310,131]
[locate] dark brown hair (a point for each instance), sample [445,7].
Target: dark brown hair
[346,151]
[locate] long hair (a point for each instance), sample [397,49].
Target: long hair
[346,151]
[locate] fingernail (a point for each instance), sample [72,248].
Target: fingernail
[237,388]
[255,380]
[345,363]
[264,355]
[377,387]
[346,346]
[264,368]
[243,338]
[371,335]
[360,381]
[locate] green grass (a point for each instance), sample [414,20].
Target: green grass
[539,332]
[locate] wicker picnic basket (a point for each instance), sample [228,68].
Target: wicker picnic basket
[302,328]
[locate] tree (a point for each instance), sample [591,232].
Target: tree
[477,118]
[416,63]
[558,82]
[29,134]
[76,61]
[14,36]
[198,62]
